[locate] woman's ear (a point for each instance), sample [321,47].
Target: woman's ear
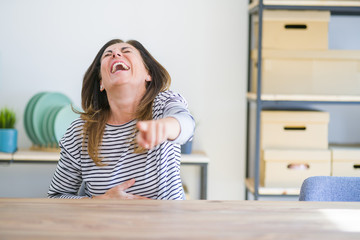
[148,78]
[101,86]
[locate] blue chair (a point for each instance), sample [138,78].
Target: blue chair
[327,189]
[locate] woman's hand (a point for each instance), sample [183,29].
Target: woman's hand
[154,132]
[118,192]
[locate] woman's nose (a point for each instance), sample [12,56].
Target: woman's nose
[116,54]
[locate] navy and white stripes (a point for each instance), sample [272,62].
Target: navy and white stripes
[157,171]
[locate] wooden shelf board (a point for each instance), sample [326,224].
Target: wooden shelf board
[39,156]
[331,3]
[195,157]
[308,55]
[309,98]
[6,156]
[31,155]
[249,182]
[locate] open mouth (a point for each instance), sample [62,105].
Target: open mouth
[119,66]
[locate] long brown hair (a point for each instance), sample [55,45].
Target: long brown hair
[95,103]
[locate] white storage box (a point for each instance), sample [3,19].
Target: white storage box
[346,161]
[330,72]
[289,168]
[294,129]
[289,29]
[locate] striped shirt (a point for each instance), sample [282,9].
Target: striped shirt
[156,171]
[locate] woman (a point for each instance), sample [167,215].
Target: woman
[126,143]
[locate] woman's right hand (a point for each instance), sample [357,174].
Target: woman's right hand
[118,192]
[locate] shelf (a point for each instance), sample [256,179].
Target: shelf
[29,155]
[333,54]
[6,156]
[46,156]
[333,3]
[305,98]
[37,157]
[194,158]
[336,7]
[264,100]
[249,182]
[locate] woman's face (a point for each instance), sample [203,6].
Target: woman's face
[121,64]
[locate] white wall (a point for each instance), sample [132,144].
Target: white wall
[48,45]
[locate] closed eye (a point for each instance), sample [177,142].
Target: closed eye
[126,50]
[107,53]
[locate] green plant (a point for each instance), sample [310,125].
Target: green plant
[7,118]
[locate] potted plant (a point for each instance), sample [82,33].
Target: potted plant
[8,134]
[186,148]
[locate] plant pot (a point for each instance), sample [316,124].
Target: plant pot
[8,140]
[186,148]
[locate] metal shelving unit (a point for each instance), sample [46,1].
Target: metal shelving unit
[261,101]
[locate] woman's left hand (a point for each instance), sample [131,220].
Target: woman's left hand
[155,132]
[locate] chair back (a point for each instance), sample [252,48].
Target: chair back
[330,188]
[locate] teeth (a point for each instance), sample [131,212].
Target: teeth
[119,63]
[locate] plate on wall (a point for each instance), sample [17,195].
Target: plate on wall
[45,102]
[28,117]
[44,131]
[63,120]
[50,125]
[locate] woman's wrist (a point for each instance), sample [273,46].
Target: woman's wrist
[172,127]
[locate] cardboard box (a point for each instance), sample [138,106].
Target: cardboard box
[290,167]
[294,129]
[330,72]
[346,161]
[289,29]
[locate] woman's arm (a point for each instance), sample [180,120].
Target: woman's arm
[118,192]
[177,125]
[67,178]
[154,132]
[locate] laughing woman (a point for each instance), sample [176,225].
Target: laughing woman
[125,145]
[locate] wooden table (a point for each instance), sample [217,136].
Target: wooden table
[201,219]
